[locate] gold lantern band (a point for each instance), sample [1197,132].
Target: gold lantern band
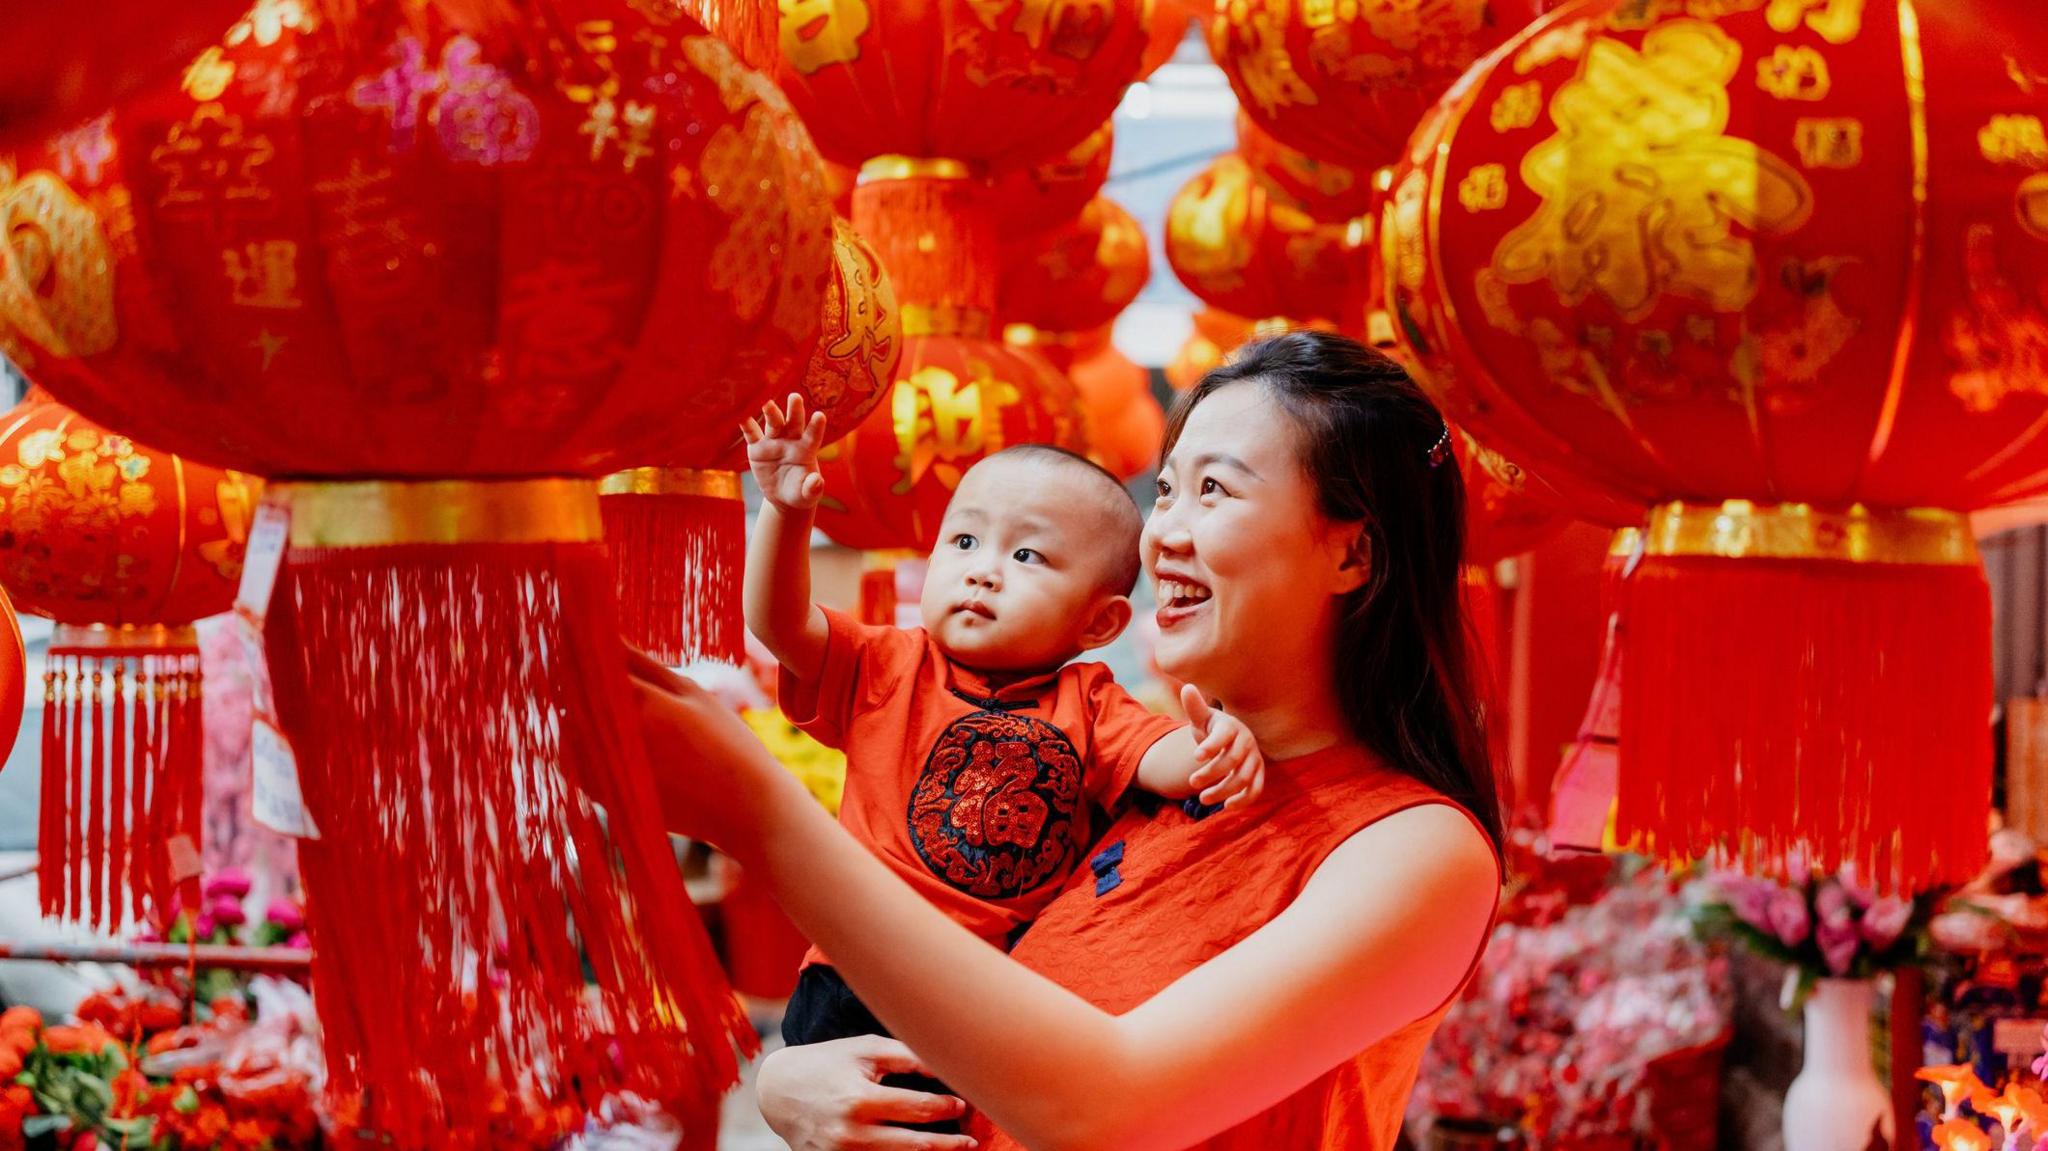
[710,483]
[893,167]
[1626,542]
[886,559]
[946,320]
[1740,529]
[394,513]
[1031,336]
[99,638]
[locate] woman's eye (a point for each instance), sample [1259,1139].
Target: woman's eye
[1210,487]
[1027,556]
[965,542]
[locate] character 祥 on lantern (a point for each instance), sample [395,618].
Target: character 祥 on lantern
[1655,252]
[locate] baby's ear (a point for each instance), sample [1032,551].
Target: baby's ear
[1111,616]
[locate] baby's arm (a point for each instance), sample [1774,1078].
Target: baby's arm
[1215,756]
[782,449]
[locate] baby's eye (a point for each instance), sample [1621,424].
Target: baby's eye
[966,543]
[1163,490]
[1027,556]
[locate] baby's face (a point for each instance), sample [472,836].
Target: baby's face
[1021,566]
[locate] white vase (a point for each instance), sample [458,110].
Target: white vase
[1837,1100]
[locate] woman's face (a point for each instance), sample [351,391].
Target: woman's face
[1244,563]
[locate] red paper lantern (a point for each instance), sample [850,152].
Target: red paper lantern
[438,275]
[1506,509]
[1166,31]
[1330,192]
[1125,421]
[13,676]
[1244,250]
[1774,269]
[1074,277]
[1215,334]
[996,86]
[124,547]
[1054,191]
[1346,83]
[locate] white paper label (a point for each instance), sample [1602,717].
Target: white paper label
[264,555]
[275,797]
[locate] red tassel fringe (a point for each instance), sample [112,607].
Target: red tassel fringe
[676,561]
[459,715]
[1785,714]
[114,796]
[937,238]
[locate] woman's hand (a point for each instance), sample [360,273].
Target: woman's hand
[715,780]
[829,1097]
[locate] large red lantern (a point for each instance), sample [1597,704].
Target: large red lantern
[1244,250]
[1000,86]
[61,63]
[437,284]
[1125,421]
[124,547]
[1346,82]
[1774,270]
[1507,510]
[1328,191]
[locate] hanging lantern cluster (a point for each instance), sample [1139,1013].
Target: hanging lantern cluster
[123,547]
[1658,249]
[932,99]
[436,286]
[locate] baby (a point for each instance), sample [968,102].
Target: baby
[980,760]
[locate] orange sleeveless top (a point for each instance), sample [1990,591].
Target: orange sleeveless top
[1168,888]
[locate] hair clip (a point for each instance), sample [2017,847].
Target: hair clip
[1441,449]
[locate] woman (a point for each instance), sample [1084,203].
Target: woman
[1265,979]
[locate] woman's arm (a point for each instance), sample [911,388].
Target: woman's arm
[1384,933]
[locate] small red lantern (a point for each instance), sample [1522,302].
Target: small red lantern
[1773,270]
[439,284]
[1125,421]
[1331,192]
[1054,191]
[1074,277]
[1345,83]
[124,547]
[1166,31]
[1244,250]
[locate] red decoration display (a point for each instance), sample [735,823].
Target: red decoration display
[1054,191]
[124,547]
[1773,268]
[1242,249]
[1076,276]
[1125,421]
[423,276]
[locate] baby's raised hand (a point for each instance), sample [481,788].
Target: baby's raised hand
[782,449]
[1229,769]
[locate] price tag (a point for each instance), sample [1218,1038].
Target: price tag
[276,800]
[264,555]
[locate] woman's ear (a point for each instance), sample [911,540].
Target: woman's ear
[1111,617]
[1351,547]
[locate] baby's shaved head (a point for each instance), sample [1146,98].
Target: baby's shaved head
[1118,522]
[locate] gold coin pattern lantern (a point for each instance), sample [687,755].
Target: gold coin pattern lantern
[1777,271]
[439,284]
[123,547]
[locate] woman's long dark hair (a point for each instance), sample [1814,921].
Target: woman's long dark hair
[1376,450]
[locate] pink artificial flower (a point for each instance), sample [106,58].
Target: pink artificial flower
[1885,921]
[202,927]
[1832,902]
[2041,1064]
[1838,944]
[1859,894]
[1749,899]
[1788,917]
[226,910]
[285,915]
[300,940]
[231,881]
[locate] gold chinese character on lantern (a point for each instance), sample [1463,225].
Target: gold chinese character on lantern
[263,273]
[1836,21]
[56,272]
[1794,74]
[1264,66]
[819,33]
[1640,197]
[943,425]
[1828,142]
[1517,106]
[2014,139]
[1484,188]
